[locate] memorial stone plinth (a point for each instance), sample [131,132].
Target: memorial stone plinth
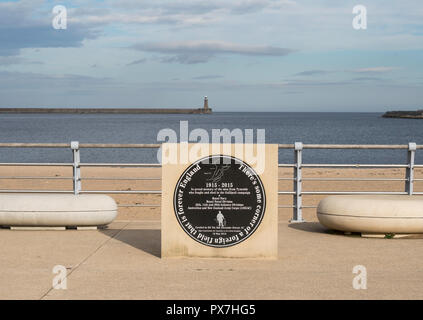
[220,204]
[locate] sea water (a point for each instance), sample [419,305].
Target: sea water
[281,127]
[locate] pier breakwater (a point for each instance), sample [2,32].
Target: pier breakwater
[107,110]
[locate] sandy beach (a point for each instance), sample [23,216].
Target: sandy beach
[62,181]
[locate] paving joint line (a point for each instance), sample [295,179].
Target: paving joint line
[86,258]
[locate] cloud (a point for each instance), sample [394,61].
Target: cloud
[17,38]
[127,18]
[229,85]
[368,79]
[310,83]
[169,7]
[186,58]
[374,70]
[139,61]
[30,89]
[364,71]
[20,29]
[189,52]
[197,7]
[249,6]
[172,12]
[208,77]
[34,81]
[312,73]
[5,61]
[11,60]
[211,47]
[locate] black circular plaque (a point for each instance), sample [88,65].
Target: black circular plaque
[219,201]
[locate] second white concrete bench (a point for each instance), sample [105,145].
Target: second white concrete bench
[372,214]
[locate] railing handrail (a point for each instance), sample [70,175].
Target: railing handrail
[81,145]
[355,146]
[157,145]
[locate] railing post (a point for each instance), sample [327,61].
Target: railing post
[298,201]
[409,182]
[76,167]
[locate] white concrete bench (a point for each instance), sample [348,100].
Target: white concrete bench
[372,214]
[56,210]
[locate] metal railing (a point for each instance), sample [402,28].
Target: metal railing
[297,166]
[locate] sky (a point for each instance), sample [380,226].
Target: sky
[245,55]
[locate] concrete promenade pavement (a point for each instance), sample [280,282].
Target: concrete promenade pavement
[123,262]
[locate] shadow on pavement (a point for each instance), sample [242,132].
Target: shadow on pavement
[147,240]
[314,227]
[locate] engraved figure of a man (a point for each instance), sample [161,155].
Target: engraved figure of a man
[220,219]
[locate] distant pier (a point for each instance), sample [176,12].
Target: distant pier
[404,114]
[204,110]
